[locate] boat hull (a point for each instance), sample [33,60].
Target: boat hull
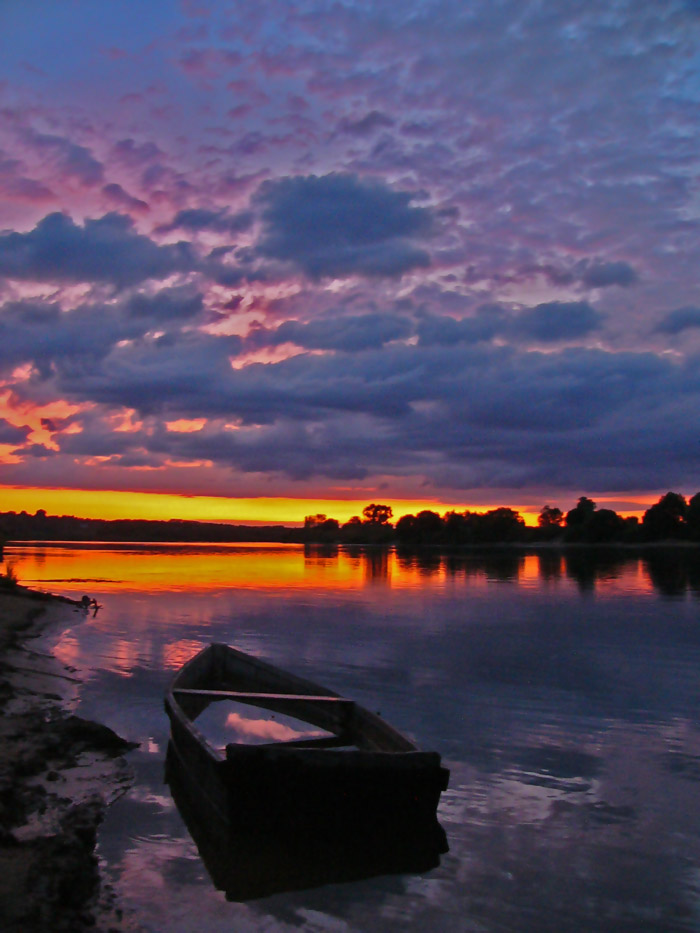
[382,779]
[252,863]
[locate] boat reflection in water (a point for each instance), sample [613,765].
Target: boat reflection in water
[246,863]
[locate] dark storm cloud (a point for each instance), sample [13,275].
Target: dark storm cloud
[149,375]
[549,322]
[340,225]
[443,330]
[219,221]
[604,274]
[9,434]
[557,320]
[675,322]
[590,273]
[107,249]
[258,450]
[52,340]
[169,305]
[346,332]
[38,451]
[465,416]
[41,334]
[363,126]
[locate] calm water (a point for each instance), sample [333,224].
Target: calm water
[563,694]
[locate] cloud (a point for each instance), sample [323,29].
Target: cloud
[599,274]
[26,189]
[489,416]
[57,341]
[544,323]
[131,153]
[167,305]
[106,249]
[220,221]
[590,273]
[557,320]
[366,125]
[346,332]
[340,225]
[675,322]
[443,330]
[149,375]
[17,186]
[9,434]
[119,196]
[71,159]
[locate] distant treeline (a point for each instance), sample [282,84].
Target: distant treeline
[671,518]
[20,526]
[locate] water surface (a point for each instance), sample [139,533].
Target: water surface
[563,692]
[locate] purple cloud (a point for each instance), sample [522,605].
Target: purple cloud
[106,249]
[71,158]
[340,225]
[122,198]
[675,322]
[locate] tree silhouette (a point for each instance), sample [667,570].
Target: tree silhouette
[692,517]
[550,516]
[377,514]
[666,518]
[581,513]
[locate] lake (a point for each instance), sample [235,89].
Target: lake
[562,690]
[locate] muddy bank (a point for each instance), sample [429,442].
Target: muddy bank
[58,773]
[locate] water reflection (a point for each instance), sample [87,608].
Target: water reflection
[74,568]
[250,865]
[562,689]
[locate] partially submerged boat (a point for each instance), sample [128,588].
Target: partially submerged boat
[249,863]
[360,771]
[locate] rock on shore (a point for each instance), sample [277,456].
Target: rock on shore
[58,773]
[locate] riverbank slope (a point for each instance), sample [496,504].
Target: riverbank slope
[58,773]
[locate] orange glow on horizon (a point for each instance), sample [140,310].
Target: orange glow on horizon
[115,504]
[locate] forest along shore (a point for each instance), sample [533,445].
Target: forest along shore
[58,773]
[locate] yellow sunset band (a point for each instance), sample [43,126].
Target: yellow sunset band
[113,504]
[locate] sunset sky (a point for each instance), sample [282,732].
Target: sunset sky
[441,253]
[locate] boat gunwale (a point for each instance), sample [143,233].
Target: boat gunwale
[315,693]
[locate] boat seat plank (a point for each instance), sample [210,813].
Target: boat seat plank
[254,695]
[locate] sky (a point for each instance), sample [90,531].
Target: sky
[260,259]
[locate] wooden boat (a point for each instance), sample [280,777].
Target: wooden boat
[360,771]
[248,864]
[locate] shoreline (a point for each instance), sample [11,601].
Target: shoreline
[58,775]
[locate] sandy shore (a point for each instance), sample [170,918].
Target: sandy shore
[58,773]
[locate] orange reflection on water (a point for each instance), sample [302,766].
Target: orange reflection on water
[159,568]
[176,653]
[103,568]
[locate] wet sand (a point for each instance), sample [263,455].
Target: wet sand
[58,773]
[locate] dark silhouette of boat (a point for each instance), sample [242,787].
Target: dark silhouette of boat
[360,771]
[249,863]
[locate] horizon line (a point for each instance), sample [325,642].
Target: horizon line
[111,505]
